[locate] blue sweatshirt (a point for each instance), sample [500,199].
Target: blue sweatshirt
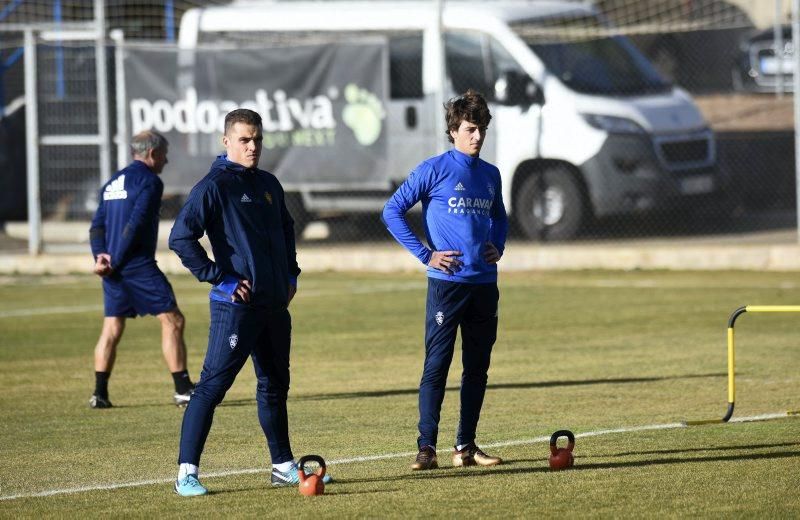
[125,225]
[244,214]
[462,207]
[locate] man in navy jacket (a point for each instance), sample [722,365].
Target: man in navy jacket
[466,227]
[253,279]
[123,238]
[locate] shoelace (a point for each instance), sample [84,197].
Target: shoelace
[425,456]
[191,481]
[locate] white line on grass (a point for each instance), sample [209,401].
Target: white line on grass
[71,309]
[368,458]
[76,309]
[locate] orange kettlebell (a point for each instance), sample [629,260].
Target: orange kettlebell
[311,485]
[561,458]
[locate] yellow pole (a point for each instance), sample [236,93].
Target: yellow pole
[772,308]
[731,368]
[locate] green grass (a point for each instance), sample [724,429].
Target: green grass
[586,351]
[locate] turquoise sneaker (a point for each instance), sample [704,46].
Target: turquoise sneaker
[291,478]
[189,486]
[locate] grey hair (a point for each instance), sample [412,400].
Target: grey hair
[147,140]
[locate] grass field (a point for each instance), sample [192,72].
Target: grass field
[620,358]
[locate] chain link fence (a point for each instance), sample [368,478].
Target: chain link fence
[730,172]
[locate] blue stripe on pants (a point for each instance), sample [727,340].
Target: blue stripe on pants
[236,332]
[449,305]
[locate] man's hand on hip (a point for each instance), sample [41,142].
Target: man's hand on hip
[491,254]
[102,266]
[446,261]
[242,292]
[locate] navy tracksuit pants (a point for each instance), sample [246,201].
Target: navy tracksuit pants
[473,307]
[236,332]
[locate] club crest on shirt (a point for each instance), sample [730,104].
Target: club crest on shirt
[439,318]
[490,187]
[233,340]
[268,197]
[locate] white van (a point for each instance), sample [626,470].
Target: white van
[582,127]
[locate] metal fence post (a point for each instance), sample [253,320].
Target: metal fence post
[796,102]
[777,36]
[439,96]
[121,139]
[32,146]
[102,91]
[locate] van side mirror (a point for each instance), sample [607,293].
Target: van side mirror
[515,88]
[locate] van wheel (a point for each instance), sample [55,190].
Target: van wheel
[301,217]
[550,205]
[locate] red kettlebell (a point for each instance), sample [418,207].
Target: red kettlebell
[311,485]
[561,458]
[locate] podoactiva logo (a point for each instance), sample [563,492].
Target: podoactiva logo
[287,121]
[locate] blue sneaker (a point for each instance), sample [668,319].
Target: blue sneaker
[189,486]
[291,478]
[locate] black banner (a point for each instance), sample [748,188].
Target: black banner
[323,109]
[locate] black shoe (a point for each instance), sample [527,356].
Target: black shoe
[99,402]
[426,459]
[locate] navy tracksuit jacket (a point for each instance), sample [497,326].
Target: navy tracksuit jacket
[125,224]
[244,214]
[251,233]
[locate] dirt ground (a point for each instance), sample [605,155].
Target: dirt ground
[747,112]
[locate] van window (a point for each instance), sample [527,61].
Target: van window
[405,66]
[476,61]
[468,66]
[502,61]
[590,58]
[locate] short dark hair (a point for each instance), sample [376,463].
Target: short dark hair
[147,140]
[242,115]
[470,106]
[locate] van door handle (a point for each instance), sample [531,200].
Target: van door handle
[411,117]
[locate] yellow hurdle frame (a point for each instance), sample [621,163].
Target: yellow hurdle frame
[732,356]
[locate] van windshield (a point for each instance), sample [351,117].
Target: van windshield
[590,60]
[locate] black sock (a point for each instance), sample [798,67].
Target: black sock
[101,384]
[182,382]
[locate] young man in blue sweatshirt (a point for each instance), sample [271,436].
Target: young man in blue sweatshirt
[465,227]
[123,238]
[253,279]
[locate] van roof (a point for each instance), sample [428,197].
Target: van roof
[261,15]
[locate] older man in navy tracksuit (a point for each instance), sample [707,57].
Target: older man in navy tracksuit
[466,227]
[123,238]
[254,278]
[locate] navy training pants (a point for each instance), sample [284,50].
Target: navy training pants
[473,307]
[236,332]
